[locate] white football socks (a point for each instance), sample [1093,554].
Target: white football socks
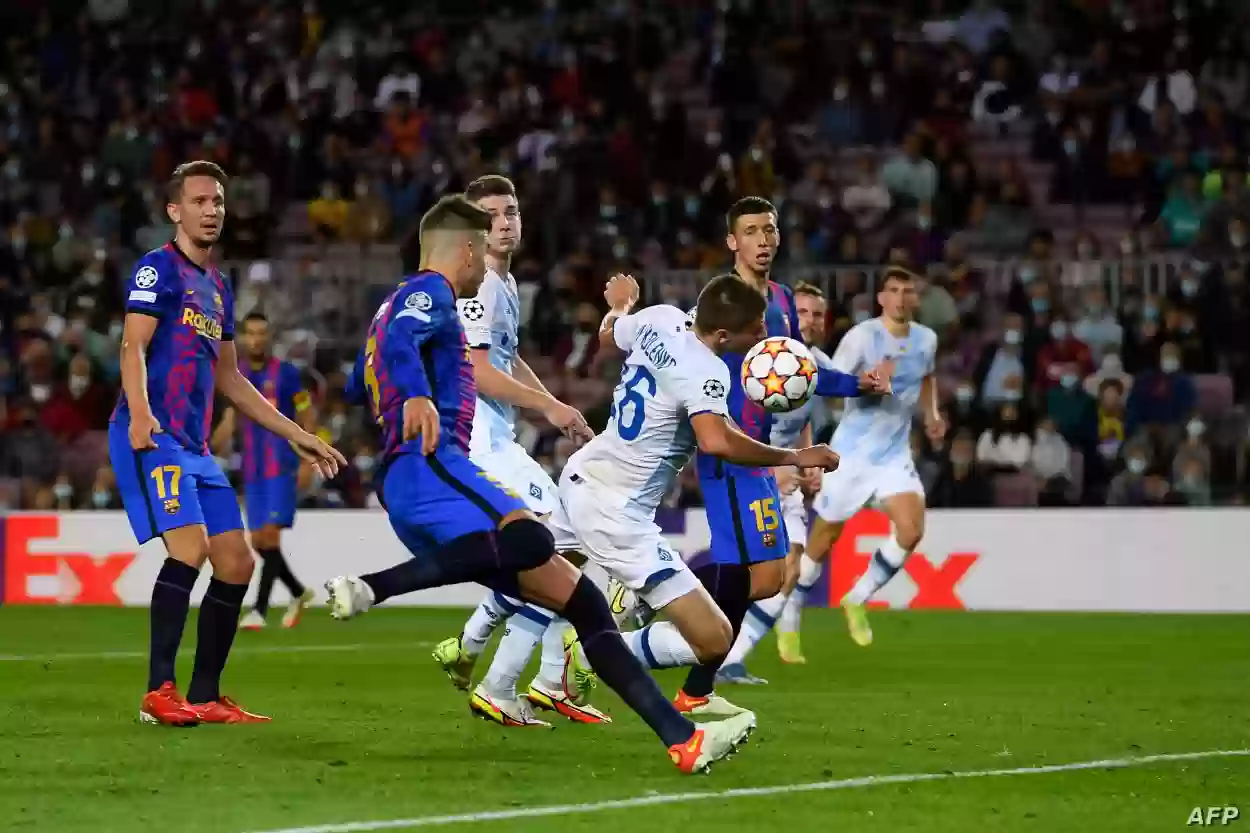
[759,620]
[515,649]
[551,667]
[660,645]
[488,615]
[792,613]
[886,562]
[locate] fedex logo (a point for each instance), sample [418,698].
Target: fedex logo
[936,586]
[80,578]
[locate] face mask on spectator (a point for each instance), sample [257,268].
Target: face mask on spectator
[1071,146]
[1136,465]
[1112,365]
[1068,380]
[1189,287]
[924,221]
[1040,305]
[1237,239]
[1150,312]
[877,88]
[840,92]
[1011,396]
[1011,337]
[1195,428]
[100,498]
[40,393]
[1168,364]
[363,463]
[1028,274]
[78,385]
[1059,330]
[63,491]
[963,395]
[692,206]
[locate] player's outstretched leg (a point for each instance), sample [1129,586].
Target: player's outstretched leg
[458,655]
[788,625]
[231,558]
[757,622]
[906,514]
[730,587]
[254,620]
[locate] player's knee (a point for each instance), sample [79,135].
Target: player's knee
[234,568]
[525,544]
[714,640]
[908,534]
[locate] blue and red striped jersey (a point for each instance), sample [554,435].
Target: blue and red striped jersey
[195,310]
[265,454]
[416,347]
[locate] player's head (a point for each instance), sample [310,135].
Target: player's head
[497,195]
[897,296]
[196,201]
[256,335]
[453,241]
[752,233]
[809,302]
[730,315]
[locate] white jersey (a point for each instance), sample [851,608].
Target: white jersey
[492,320]
[668,377]
[788,427]
[877,429]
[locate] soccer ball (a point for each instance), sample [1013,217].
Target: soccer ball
[779,373]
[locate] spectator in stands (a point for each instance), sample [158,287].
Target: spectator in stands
[1052,464]
[981,25]
[1111,369]
[368,219]
[1006,445]
[328,212]
[1183,211]
[1073,411]
[32,453]
[937,309]
[866,199]
[1128,488]
[79,404]
[1098,327]
[104,490]
[1162,400]
[1001,375]
[1192,481]
[960,483]
[1193,447]
[910,177]
[1062,356]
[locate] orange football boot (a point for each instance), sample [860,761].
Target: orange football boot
[225,710]
[166,707]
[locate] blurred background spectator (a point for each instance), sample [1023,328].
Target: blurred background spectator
[1069,177]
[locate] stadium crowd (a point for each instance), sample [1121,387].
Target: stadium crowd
[1070,178]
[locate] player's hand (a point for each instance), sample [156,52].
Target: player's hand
[817,456]
[141,430]
[621,293]
[935,428]
[421,420]
[809,480]
[570,421]
[878,379]
[323,456]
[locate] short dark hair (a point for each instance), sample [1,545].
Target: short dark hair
[897,273]
[810,289]
[491,185]
[256,315]
[729,303]
[745,206]
[200,167]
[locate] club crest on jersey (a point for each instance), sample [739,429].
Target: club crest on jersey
[420,301]
[205,325]
[172,506]
[146,277]
[474,310]
[770,540]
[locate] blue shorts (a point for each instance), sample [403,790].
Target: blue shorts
[744,515]
[434,500]
[271,501]
[168,487]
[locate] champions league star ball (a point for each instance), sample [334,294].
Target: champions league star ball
[780,374]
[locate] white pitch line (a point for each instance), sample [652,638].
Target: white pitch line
[257,649]
[750,792]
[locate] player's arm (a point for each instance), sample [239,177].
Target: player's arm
[400,354]
[137,331]
[934,425]
[842,377]
[718,438]
[233,385]
[522,372]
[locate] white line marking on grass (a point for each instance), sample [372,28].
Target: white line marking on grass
[245,649]
[750,792]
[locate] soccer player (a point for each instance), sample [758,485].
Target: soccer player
[676,394]
[504,382]
[270,469]
[177,347]
[874,439]
[459,523]
[789,431]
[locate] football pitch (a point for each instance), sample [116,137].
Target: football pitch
[950,722]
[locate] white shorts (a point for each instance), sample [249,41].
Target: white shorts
[633,552]
[794,513]
[516,470]
[855,484]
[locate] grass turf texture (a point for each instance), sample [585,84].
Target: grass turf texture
[373,730]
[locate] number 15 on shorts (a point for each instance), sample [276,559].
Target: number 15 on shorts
[765,512]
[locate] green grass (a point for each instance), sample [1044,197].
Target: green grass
[376,732]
